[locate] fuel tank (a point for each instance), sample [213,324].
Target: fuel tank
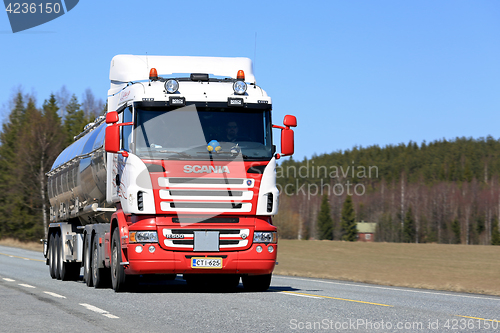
[77,179]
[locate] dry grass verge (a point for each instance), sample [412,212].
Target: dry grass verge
[474,269]
[23,245]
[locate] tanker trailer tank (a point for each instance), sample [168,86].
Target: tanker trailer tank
[77,180]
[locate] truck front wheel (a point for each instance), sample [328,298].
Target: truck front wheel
[117,270]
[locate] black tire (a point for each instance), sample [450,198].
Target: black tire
[87,263]
[58,256]
[256,282]
[68,271]
[98,274]
[117,271]
[52,256]
[63,271]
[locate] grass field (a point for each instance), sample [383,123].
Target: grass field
[473,268]
[23,245]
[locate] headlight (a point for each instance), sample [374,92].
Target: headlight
[239,87]
[171,86]
[143,237]
[265,237]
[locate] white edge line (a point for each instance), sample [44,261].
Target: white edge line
[26,285]
[93,308]
[98,310]
[54,294]
[354,284]
[9,280]
[109,315]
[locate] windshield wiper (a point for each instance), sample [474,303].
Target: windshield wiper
[180,153]
[229,153]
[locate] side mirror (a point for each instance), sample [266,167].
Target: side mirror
[287,142]
[111,117]
[287,136]
[290,121]
[112,139]
[112,142]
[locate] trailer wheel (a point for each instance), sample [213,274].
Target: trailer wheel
[52,257]
[58,256]
[256,282]
[87,267]
[117,270]
[98,274]
[63,266]
[67,270]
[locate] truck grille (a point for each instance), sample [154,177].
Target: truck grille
[190,220]
[213,195]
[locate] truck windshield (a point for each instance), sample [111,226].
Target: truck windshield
[202,133]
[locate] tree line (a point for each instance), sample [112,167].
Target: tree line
[445,191]
[30,140]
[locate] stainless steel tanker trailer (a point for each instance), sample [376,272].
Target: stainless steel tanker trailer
[78,206]
[179,177]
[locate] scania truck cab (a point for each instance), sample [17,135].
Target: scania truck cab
[179,177]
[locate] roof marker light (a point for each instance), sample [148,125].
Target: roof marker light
[153,74]
[240,75]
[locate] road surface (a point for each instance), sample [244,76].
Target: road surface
[30,301]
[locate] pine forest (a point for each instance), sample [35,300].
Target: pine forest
[445,191]
[30,140]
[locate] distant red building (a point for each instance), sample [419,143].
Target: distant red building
[366,231]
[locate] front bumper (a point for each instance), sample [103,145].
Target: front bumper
[172,262]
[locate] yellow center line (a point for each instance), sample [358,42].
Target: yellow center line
[336,298]
[494,320]
[10,255]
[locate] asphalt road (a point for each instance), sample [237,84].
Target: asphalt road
[30,301]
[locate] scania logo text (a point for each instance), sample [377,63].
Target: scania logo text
[206,169]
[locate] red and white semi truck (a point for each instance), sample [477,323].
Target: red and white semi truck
[179,177]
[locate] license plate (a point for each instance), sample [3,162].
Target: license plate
[206,262]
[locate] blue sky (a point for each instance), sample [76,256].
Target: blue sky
[353,72]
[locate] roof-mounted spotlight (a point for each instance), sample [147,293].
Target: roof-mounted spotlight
[240,87]
[171,86]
